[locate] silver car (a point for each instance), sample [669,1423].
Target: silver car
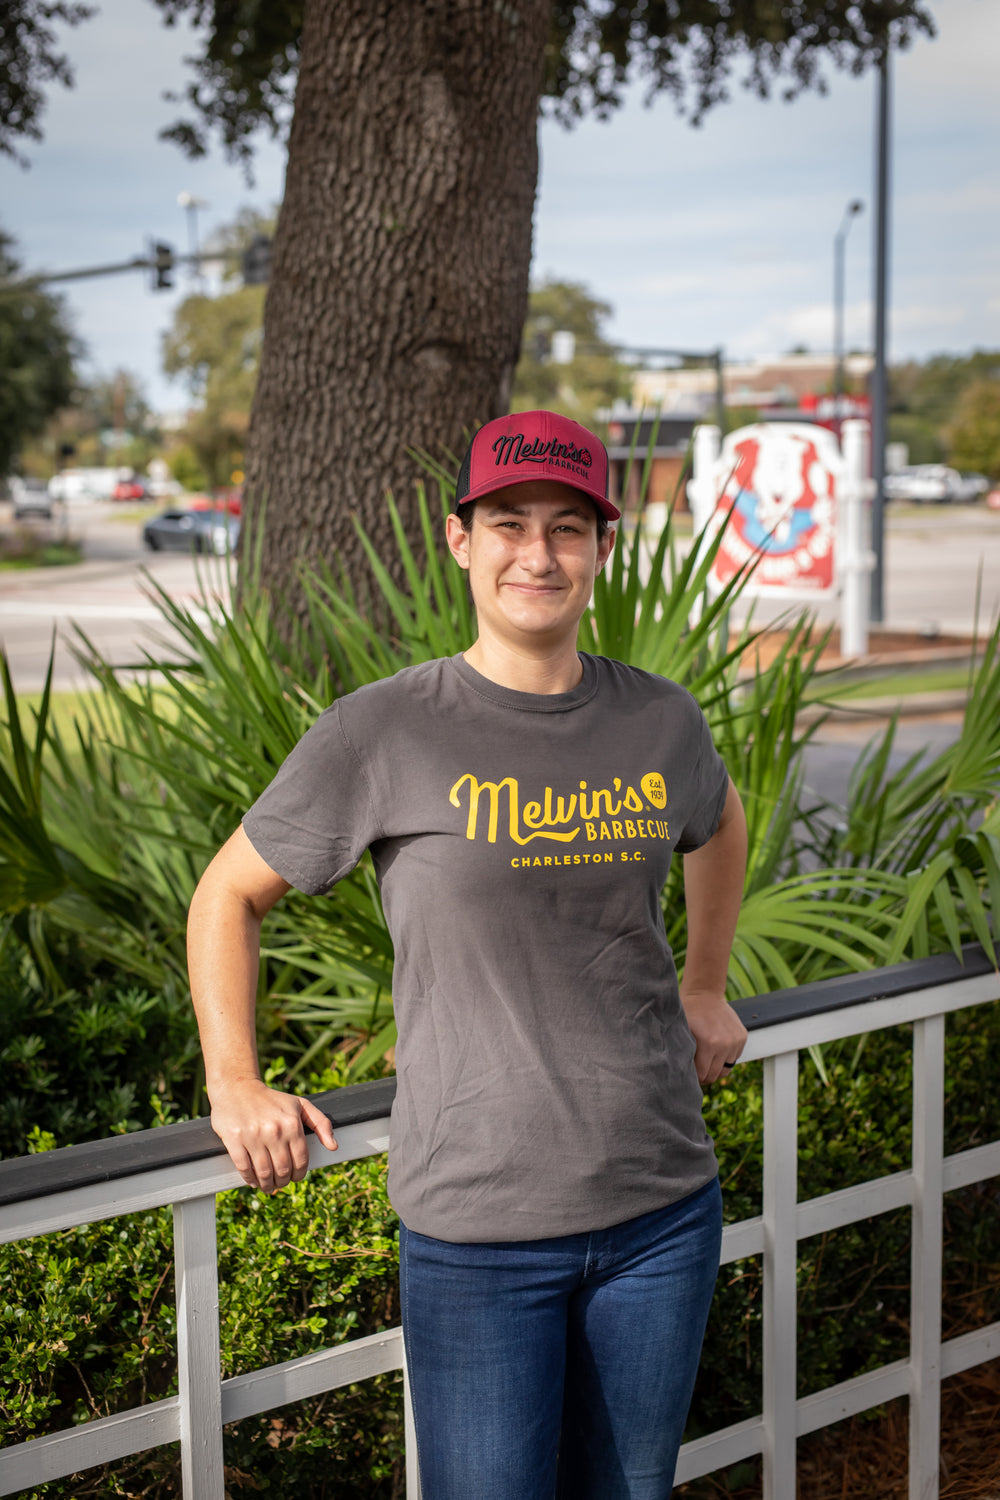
[927,484]
[31,498]
[192,531]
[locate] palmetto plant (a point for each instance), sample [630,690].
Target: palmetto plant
[102,838]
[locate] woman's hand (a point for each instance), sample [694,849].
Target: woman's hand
[264,1132]
[718,1032]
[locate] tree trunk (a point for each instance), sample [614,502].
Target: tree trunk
[400,267]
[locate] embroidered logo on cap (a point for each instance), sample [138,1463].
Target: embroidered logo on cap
[512,449]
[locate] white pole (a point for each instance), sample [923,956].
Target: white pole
[707,445]
[707,442]
[855,556]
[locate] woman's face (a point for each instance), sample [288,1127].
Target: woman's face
[532,555]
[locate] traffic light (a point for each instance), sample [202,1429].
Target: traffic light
[161,256]
[257,261]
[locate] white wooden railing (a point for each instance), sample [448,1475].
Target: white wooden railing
[181,1165]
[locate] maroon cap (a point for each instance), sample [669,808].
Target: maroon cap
[535,445]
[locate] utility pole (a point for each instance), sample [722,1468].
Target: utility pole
[880,384]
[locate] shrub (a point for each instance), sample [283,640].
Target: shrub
[82,1064]
[854,1125]
[88,1325]
[88,1328]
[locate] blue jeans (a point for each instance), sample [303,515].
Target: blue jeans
[559,1368]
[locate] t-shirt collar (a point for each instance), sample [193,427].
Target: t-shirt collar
[532,703]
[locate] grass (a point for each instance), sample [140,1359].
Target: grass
[48,555]
[842,689]
[903,684]
[65,708]
[139,513]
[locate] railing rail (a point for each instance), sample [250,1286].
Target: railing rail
[186,1166]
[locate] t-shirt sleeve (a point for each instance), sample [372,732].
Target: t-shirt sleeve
[709,790]
[317,817]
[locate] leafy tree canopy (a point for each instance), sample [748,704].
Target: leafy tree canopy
[108,421]
[924,397]
[37,351]
[587,383]
[975,432]
[214,345]
[29,60]
[244,78]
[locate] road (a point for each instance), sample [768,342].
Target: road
[934,562]
[936,557]
[107,596]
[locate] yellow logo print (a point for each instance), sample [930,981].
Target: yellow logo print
[655,791]
[599,811]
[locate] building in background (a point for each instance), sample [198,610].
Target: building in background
[671,402]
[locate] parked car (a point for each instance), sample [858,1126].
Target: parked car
[925,483]
[228,500]
[191,531]
[80,485]
[130,489]
[972,486]
[31,498]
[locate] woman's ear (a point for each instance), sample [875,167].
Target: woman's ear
[458,540]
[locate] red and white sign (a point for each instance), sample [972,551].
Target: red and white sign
[777,483]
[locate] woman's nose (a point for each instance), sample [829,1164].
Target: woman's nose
[536,554]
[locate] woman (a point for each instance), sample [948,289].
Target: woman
[557,1189]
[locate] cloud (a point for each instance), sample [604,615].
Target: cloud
[810,324]
[924,316]
[747,278]
[956,72]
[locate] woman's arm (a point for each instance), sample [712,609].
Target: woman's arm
[713,889]
[261,1128]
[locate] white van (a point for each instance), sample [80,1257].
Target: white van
[74,485]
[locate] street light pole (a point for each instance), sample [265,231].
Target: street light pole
[191,205]
[854,208]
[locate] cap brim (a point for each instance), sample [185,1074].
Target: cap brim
[609,511]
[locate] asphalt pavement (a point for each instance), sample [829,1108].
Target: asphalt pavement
[941,563]
[108,597]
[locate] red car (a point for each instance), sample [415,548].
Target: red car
[129,489]
[230,500]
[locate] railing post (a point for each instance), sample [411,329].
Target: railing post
[198,1364]
[410,1439]
[926,1257]
[781,1104]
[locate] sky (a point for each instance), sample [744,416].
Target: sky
[720,236]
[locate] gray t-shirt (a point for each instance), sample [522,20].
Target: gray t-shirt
[546,1083]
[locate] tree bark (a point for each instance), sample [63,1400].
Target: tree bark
[400,267]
